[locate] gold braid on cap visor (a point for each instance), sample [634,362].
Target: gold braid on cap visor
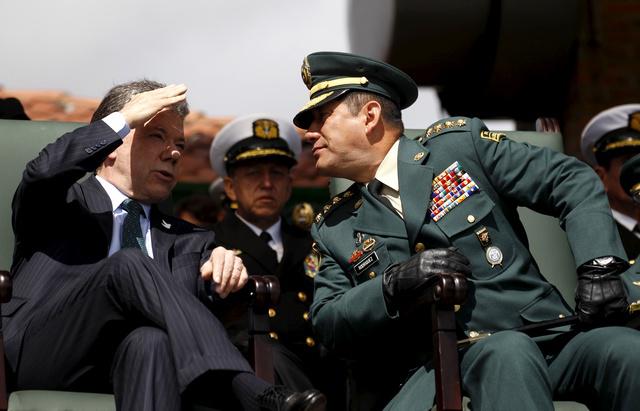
[261,152]
[338,82]
[618,144]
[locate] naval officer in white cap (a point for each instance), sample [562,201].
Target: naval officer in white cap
[608,140]
[254,154]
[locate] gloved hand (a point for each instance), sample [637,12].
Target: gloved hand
[600,296]
[406,285]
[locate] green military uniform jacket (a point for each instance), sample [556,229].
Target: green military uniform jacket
[358,238]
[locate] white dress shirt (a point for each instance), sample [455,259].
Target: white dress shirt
[627,222]
[387,174]
[119,214]
[276,235]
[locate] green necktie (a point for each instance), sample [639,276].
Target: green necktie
[131,231]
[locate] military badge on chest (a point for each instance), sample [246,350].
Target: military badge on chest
[449,189]
[363,257]
[492,253]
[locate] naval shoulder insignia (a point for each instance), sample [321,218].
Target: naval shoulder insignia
[492,135]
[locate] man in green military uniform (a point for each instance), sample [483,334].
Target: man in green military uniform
[447,204]
[254,155]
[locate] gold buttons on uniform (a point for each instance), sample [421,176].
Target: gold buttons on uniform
[636,283]
[418,156]
[305,315]
[471,218]
[632,262]
[456,307]
[561,316]
[302,296]
[474,334]
[372,274]
[310,342]
[419,247]
[272,312]
[273,335]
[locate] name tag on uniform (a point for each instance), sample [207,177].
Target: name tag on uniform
[366,262]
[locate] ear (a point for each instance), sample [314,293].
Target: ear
[602,173]
[372,112]
[229,188]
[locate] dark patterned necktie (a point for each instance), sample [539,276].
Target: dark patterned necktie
[266,237]
[131,231]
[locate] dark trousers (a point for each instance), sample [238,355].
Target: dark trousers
[130,319]
[599,368]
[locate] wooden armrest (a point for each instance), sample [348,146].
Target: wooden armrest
[264,292]
[547,125]
[6,287]
[449,291]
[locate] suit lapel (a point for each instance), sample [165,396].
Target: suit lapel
[99,205]
[162,239]
[415,180]
[247,241]
[294,251]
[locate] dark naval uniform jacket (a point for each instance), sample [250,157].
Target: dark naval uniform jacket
[459,185]
[289,319]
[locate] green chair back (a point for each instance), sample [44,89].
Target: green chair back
[20,141]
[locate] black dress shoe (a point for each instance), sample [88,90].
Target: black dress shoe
[279,398]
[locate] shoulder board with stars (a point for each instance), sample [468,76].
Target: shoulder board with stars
[334,204]
[441,127]
[492,135]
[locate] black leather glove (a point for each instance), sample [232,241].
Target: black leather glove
[600,296]
[406,286]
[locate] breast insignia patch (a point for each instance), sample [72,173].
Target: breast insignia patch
[492,135]
[450,188]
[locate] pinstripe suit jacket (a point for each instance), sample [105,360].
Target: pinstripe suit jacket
[63,230]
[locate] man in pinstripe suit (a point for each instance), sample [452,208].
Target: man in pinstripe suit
[90,304]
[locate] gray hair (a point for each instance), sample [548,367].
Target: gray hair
[120,95]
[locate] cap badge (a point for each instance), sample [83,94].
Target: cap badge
[634,121]
[305,71]
[265,128]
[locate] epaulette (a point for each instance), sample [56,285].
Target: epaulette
[443,126]
[335,203]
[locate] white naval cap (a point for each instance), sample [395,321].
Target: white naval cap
[254,136]
[614,129]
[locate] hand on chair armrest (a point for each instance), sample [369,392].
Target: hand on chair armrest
[425,278]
